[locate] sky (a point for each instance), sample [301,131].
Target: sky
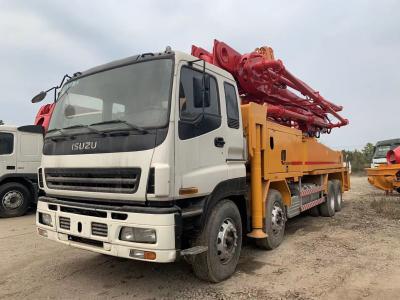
[347,50]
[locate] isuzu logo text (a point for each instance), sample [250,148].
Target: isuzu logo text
[84,146]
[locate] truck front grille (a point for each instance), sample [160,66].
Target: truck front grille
[99,229]
[65,223]
[123,181]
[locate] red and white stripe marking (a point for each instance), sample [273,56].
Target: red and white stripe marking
[312,204]
[308,192]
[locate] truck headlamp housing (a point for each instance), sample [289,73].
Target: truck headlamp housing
[45,219]
[138,235]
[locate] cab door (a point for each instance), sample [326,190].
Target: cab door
[200,152]
[29,152]
[8,161]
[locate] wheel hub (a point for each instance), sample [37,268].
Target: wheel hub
[12,200]
[226,241]
[277,219]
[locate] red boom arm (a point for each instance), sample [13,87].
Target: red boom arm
[263,79]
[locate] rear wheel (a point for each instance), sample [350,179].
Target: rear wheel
[274,223]
[327,209]
[14,200]
[338,195]
[222,235]
[314,211]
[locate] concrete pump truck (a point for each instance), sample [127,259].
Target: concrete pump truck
[166,155]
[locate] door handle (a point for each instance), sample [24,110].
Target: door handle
[219,142]
[10,167]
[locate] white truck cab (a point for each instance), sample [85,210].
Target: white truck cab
[136,152]
[381,149]
[20,156]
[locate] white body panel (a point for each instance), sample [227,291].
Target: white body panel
[378,161]
[164,225]
[26,155]
[139,159]
[198,162]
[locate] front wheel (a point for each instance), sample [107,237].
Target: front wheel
[14,200]
[222,234]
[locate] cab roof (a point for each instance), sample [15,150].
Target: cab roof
[388,142]
[178,55]
[33,129]
[8,128]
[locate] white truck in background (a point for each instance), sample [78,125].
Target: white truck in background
[381,148]
[20,156]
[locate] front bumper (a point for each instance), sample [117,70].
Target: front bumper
[80,231]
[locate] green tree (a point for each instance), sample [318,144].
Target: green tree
[368,152]
[359,159]
[1,122]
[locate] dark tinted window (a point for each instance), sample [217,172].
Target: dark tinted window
[193,122]
[6,143]
[190,100]
[232,109]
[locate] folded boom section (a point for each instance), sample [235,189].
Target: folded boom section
[264,80]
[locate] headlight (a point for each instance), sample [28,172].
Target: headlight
[45,219]
[138,235]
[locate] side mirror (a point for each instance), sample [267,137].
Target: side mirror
[201,99]
[201,91]
[39,97]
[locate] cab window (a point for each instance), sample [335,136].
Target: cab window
[190,104]
[190,101]
[232,109]
[6,143]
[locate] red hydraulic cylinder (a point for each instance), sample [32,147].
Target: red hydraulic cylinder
[393,156]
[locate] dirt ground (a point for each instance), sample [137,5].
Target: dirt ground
[354,255]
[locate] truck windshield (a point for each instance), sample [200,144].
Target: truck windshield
[382,150]
[136,94]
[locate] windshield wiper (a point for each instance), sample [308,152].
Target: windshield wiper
[61,136]
[132,126]
[87,127]
[55,129]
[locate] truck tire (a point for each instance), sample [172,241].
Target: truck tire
[338,195]
[327,209]
[274,225]
[314,211]
[222,234]
[14,200]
